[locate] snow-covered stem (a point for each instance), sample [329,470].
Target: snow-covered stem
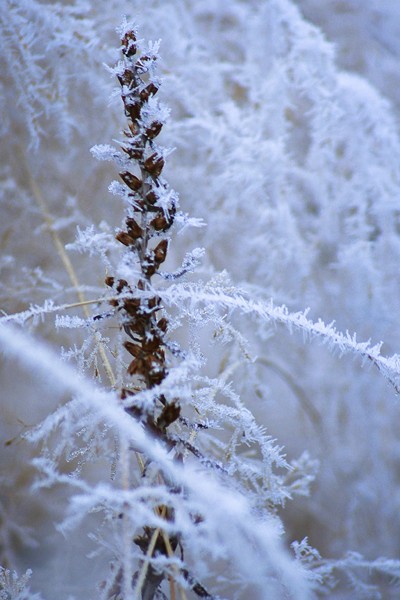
[151,213]
[337,341]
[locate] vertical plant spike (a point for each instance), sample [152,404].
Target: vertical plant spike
[151,213]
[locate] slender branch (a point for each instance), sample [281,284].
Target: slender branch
[143,572]
[49,220]
[171,554]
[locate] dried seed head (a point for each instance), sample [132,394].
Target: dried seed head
[154,164]
[129,44]
[153,345]
[132,109]
[127,77]
[134,229]
[135,325]
[160,252]
[143,63]
[151,197]
[125,238]
[133,129]
[153,302]
[154,129]
[133,349]
[140,321]
[169,414]
[160,223]
[131,305]
[133,151]
[133,182]
[148,91]
[163,324]
[122,283]
[148,268]
[137,367]
[109,281]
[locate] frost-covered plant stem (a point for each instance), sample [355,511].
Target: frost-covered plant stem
[151,212]
[153,206]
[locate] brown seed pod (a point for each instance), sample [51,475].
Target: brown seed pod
[129,44]
[132,110]
[134,229]
[122,283]
[126,393]
[142,64]
[153,302]
[154,129]
[127,77]
[133,182]
[153,346]
[110,282]
[151,197]
[137,367]
[163,324]
[148,91]
[125,238]
[133,128]
[160,223]
[131,306]
[154,164]
[160,252]
[149,268]
[133,349]
[133,151]
[136,326]
[169,414]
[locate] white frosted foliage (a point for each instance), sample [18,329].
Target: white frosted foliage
[199,291]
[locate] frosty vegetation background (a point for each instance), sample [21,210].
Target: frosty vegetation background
[287,147]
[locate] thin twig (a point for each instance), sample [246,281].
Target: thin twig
[172,587]
[171,553]
[146,562]
[85,303]
[49,220]
[149,553]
